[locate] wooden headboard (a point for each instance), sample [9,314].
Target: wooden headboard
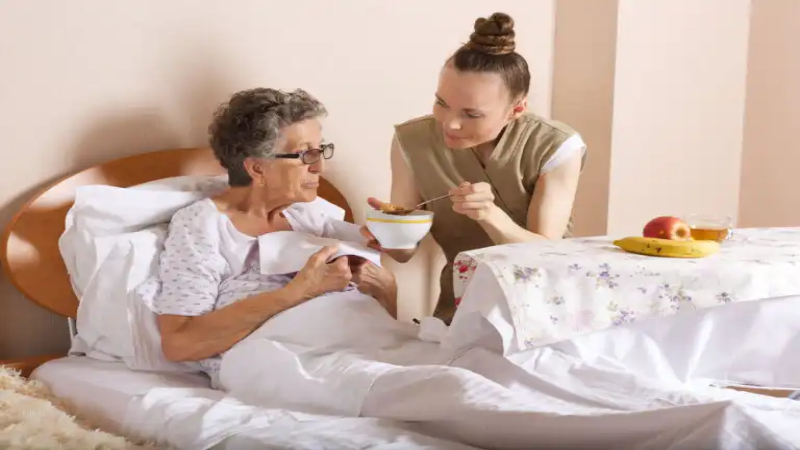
[29,248]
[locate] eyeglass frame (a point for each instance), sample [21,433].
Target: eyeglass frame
[302,155]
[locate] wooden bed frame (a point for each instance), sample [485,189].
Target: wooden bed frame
[29,250]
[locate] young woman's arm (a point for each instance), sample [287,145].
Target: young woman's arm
[548,213]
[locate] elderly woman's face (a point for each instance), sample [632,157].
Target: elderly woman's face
[291,179]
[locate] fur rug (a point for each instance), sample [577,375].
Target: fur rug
[32,418]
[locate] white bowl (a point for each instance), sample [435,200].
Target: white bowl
[399,232]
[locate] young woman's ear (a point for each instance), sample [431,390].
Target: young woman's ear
[519,108]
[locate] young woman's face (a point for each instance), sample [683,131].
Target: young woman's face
[471,107]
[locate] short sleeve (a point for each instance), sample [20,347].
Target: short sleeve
[191,265]
[569,148]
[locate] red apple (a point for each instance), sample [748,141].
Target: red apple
[667,227]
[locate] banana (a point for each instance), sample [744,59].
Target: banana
[667,248]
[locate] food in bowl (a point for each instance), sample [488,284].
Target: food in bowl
[388,208]
[399,231]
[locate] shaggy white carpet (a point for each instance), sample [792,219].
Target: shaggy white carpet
[32,418]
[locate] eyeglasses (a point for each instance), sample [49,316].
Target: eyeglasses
[311,155]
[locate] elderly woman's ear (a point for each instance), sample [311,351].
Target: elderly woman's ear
[255,169]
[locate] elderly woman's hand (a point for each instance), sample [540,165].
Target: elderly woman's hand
[375,281]
[319,277]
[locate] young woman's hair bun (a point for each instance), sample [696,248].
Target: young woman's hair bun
[493,35]
[492,49]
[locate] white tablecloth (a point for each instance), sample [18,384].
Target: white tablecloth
[557,290]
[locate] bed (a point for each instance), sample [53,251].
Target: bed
[103,392]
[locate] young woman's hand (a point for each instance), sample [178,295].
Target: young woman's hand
[475,201]
[318,276]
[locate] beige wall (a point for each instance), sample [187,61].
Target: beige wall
[686,105]
[583,97]
[660,91]
[770,178]
[678,109]
[86,81]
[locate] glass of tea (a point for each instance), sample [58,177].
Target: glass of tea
[709,227]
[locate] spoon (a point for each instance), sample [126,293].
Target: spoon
[403,212]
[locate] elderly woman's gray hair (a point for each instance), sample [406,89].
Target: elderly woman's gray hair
[249,124]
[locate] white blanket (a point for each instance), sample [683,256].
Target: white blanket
[555,401]
[342,355]
[322,356]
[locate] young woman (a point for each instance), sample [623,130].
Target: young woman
[511,175]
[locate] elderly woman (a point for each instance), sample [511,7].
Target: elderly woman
[212,292]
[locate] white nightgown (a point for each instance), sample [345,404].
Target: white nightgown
[208,264]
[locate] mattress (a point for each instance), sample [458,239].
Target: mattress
[99,392]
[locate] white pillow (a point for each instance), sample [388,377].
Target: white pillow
[110,246]
[102,215]
[102,320]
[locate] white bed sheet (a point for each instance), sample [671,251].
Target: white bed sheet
[183,412]
[101,391]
